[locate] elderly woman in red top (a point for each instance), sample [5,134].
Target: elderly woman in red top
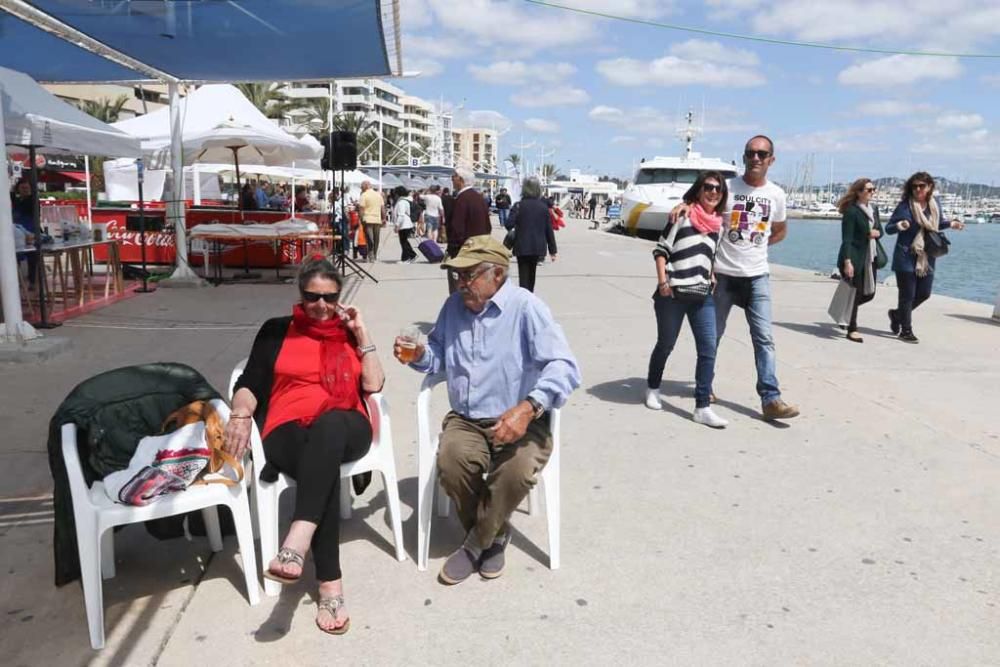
[303,385]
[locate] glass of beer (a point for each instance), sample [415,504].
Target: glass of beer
[409,340]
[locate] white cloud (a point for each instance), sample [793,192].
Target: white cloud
[427,67]
[648,120]
[713,52]
[645,9]
[541,125]
[960,121]
[891,108]
[856,140]
[623,139]
[900,70]
[481,118]
[606,113]
[484,23]
[671,70]
[550,97]
[415,14]
[518,73]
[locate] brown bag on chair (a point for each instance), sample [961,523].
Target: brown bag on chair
[204,411]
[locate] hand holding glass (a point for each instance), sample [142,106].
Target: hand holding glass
[408,343]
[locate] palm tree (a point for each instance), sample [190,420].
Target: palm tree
[105,109]
[269,99]
[317,115]
[364,128]
[549,172]
[515,160]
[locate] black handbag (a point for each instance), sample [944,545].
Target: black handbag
[691,293]
[508,240]
[881,258]
[935,244]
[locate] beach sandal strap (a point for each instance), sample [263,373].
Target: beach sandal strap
[286,556]
[331,604]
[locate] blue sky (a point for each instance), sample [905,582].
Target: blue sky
[602,93]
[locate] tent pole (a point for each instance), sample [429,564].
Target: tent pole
[36,215]
[15,329]
[86,169]
[293,188]
[183,275]
[140,174]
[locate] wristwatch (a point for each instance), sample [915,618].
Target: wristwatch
[536,407]
[365,349]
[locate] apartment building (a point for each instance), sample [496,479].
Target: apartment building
[141,99]
[476,146]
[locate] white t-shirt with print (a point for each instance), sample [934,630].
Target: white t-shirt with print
[746,227]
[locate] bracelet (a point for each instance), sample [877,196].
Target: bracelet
[240,416]
[663,283]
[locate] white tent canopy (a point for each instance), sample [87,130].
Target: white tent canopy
[31,116]
[35,117]
[215,119]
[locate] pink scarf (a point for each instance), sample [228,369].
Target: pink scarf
[339,367]
[703,221]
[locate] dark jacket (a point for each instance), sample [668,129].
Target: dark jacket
[113,411]
[903,260]
[854,234]
[470,217]
[532,220]
[503,200]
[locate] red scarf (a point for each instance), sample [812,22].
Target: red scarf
[335,362]
[703,221]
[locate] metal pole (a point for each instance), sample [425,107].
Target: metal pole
[175,208]
[15,329]
[37,221]
[86,169]
[140,176]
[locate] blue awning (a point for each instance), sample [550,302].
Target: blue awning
[206,41]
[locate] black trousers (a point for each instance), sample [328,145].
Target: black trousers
[404,243]
[913,291]
[860,298]
[312,456]
[526,266]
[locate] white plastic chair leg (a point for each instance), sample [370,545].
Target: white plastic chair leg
[108,554]
[551,481]
[426,481]
[393,507]
[244,537]
[90,577]
[212,528]
[345,498]
[267,510]
[533,501]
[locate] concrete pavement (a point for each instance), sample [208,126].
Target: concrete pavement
[864,531]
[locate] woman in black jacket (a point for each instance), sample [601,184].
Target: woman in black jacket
[861,254]
[303,385]
[532,224]
[918,213]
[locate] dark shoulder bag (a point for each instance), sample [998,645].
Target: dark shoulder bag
[935,243]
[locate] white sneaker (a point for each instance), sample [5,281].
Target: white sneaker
[653,399]
[708,417]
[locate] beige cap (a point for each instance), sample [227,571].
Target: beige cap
[476,250]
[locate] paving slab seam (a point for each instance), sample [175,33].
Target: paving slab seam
[180,612]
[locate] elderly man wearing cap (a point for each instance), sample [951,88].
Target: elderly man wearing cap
[507,364]
[469,215]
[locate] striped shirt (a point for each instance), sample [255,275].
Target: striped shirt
[689,254]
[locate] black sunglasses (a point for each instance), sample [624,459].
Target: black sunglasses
[313,297]
[921,186]
[711,187]
[760,155]
[869,189]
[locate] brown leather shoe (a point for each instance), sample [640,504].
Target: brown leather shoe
[778,409]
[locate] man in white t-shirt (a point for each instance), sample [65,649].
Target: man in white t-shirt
[433,212]
[754,219]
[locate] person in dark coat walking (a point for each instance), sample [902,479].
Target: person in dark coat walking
[860,249]
[469,215]
[532,224]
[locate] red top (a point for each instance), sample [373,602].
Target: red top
[298,393]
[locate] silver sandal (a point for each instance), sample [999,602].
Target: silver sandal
[331,605]
[284,557]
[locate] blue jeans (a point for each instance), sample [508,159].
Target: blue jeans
[753,295]
[502,212]
[669,317]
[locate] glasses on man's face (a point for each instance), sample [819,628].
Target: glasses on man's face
[760,155]
[466,276]
[711,187]
[313,297]
[921,186]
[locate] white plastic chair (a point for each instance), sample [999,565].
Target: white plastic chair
[427,477]
[379,458]
[96,516]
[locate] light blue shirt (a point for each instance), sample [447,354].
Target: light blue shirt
[498,357]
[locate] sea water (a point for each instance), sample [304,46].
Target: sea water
[971,270]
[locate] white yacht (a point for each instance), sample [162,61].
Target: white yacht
[661,182]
